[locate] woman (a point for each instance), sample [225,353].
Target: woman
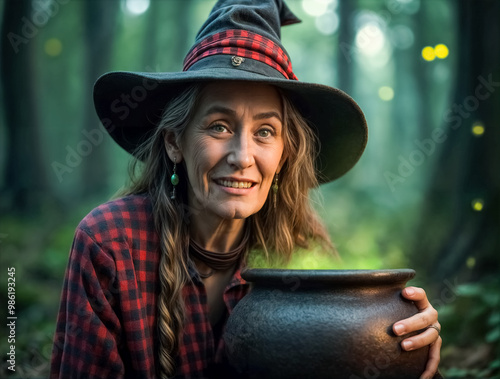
[227,150]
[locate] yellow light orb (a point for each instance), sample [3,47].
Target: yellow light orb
[53,47]
[477,205]
[428,53]
[441,51]
[471,262]
[386,93]
[478,130]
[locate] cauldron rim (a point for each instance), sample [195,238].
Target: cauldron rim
[283,277]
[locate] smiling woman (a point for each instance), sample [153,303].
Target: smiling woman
[225,159]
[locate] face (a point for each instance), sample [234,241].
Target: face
[233,148]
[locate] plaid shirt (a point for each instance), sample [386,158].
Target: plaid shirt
[107,320]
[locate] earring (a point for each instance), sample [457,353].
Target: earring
[275,189]
[174,179]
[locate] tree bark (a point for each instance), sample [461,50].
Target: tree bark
[24,183]
[99,26]
[346,44]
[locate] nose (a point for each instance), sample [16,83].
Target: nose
[241,153]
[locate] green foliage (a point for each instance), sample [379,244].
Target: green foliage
[38,250]
[472,330]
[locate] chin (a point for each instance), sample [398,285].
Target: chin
[239,216]
[235,213]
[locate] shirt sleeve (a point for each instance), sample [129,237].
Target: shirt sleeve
[88,331]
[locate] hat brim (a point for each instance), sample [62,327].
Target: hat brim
[130,105]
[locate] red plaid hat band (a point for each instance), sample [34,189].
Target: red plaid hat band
[242,44]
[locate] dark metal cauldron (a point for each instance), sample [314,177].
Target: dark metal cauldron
[322,324]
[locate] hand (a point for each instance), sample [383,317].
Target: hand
[425,317]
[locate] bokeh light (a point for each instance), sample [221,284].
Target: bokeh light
[471,262]
[137,7]
[477,205]
[316,7]
[370,39]
[327,23]
[441,51]
[477,129]
[402,37]
[53,47]
[428,53]
[364,17]
[386,93]
[441,72]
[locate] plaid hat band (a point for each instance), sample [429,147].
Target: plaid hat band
[242,44]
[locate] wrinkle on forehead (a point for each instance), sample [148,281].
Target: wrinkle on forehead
[217,97]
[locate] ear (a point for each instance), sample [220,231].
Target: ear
[172,146]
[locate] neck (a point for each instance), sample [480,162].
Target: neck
[221,236]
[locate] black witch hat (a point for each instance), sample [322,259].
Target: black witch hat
[239,41]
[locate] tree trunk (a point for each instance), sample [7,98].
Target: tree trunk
[346,44]
[24,184]
[99,26]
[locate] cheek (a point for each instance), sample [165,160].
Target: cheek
[270,163]
[202,158]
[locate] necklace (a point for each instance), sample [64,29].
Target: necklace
[218,261]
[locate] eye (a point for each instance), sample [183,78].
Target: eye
[264,133]
[219,128]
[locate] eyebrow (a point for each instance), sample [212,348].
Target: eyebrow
[265,115]
[232,112]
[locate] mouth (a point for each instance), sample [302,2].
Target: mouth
[234,184]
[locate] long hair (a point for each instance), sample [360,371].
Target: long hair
[276,230]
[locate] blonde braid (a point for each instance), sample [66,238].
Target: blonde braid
[153,178]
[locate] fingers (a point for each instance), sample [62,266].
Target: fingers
[416,322]
[433,361]
[427,337]
[417,295]
[426,315]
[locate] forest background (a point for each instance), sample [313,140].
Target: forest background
[425,194]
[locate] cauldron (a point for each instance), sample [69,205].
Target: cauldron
[322,324]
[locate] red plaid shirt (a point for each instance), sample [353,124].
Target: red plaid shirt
[106,325]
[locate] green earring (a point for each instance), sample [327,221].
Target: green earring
[174,179]
[274,187]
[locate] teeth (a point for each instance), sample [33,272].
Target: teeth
[228,183]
